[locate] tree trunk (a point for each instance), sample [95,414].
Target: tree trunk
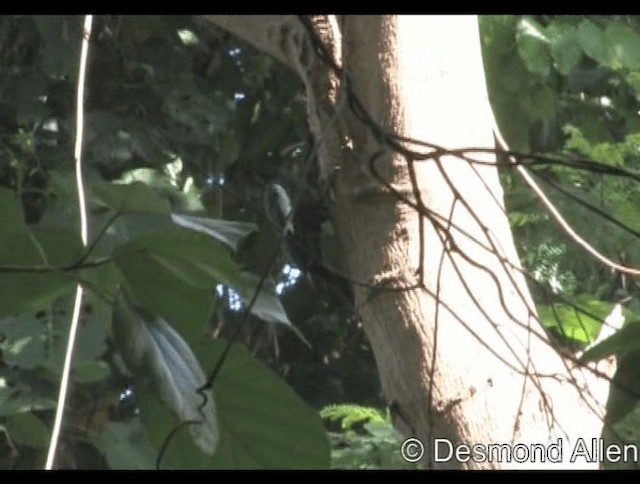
[462,357]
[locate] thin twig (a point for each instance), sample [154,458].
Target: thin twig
[551,208]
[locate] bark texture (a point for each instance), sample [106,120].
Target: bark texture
[461,358]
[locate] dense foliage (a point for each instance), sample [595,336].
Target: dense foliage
[568,85]
[185,127]
[183,123]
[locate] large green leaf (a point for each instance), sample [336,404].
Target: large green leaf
[126,228]
[626,433]
[17,401]
[622,46]
[267,305]
[41,248]
[38,340]
[91,371]
[172,272]
[263,423]
[160,292]
[24,341]
[622,404]
[228,232]
[517,97]
[533,46]
[27,429]
[157,353]
[565,49]
[228,150]
[133,197]
[11,215]
[126,446]
[629,427]
[590,38]
[59,55]
[191,257]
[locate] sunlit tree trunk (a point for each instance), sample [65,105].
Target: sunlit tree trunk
[461,358]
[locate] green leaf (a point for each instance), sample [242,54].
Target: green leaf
[267,423]
[533,46]
[91,371]
[11,215]
[228,232]
[59,54]
[126,446]
[627,212]
[127,227]
[161,293]
[517,97]
[628,427]
[39,340]
[565,49]
[623,396]
[19,248]
[495,31]
[575,324]
[24,341]
[591,39]
[263,423]
[155,351]
[189,256]
[173,273]
[518,219]
[27,429]
[228,150]
[267,306]
[43,247]
[622,46]
[133,197]
[621,343]
[542,101]
[91,340]
[350,415]
[12,402]
[376,449]
[61,247]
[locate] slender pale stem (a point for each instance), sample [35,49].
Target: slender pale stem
[73,329]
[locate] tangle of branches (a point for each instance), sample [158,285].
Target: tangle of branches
[415,151]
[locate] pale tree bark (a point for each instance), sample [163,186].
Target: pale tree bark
[462,358]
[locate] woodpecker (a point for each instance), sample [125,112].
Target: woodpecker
[300,227]
[279,208]
[280,211]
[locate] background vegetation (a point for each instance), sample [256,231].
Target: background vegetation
[186,126]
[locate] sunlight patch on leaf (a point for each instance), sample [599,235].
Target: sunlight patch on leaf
[228,232]
[155,351]
[571,322]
